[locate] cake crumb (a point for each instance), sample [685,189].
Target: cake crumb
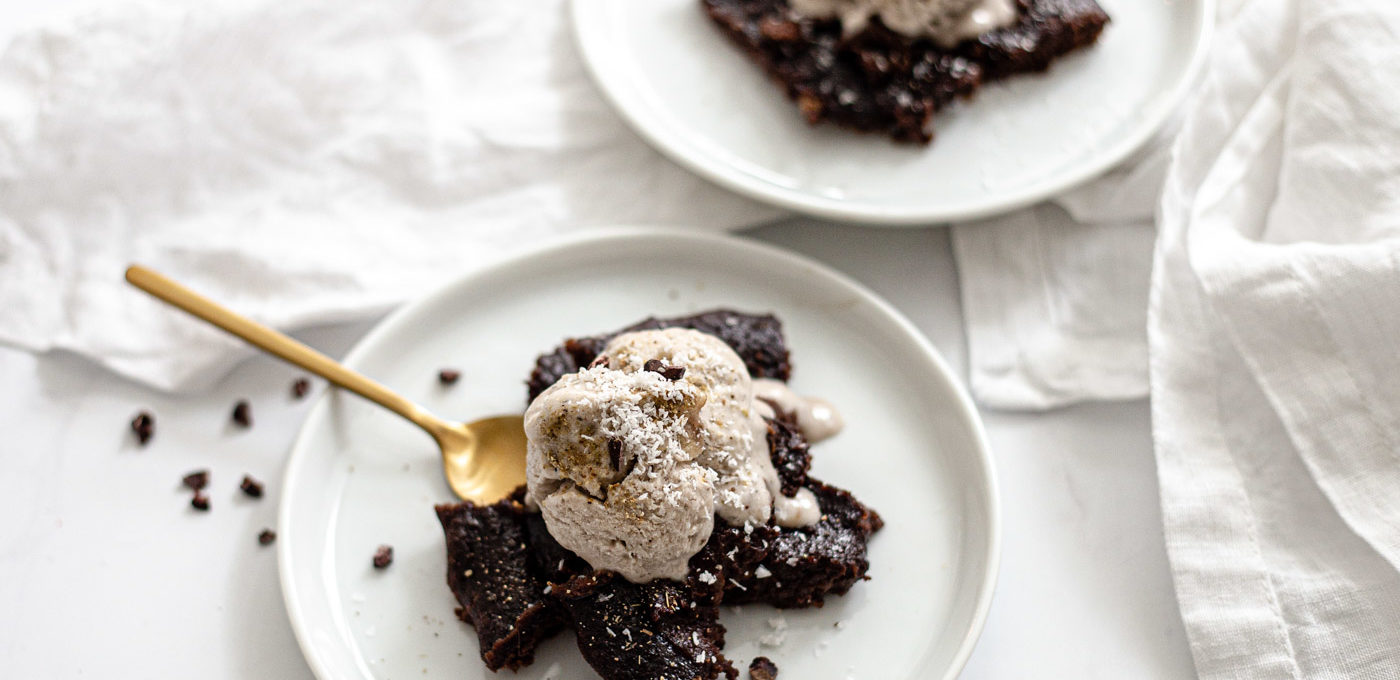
[300,388]
[200,502]
[449,376]
[383,557]
[763,668]
[266,537]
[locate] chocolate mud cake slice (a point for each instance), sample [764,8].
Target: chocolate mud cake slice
[883,82]
[787,447]
[756,338]
[803,565]
[651,631]
[662,629]
[793,567]
[497,581]
[1048,29]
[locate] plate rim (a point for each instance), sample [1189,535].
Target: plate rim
[721,173]
[966,408]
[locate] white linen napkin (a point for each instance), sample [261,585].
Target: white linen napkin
[1275,308]
[1273,325]
[1055,306]
[305,162]
[1055,297]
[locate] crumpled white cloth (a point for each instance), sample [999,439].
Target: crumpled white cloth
[1272,333]
[1055,296]
[1275,313]
[304,162]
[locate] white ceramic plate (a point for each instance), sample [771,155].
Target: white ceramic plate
[697,98]
[914,450]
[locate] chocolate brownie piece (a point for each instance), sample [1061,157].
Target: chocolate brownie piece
[878,82]
[1048,29]
[805,564]
[652,631]
[881,81]
[557,563]
[497,582]
[731,552]
[756,338]
[662,629]
[787,447]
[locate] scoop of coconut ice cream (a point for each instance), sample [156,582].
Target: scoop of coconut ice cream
[610,463]
[733,434]
[947,22]
[630,460]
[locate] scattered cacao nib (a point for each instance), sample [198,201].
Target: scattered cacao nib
[672,373]
[251,487]
[449,376]
[763,668]
[243,413]
[196,481]
[383,557]
[200,501]
[144,425]
[615,453]
[300,388]
[266,537]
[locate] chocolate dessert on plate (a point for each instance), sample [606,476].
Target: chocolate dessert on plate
[887,66]
[667,475]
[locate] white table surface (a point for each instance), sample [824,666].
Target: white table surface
[105,571]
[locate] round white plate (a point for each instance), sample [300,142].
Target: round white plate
[914,450]
[697,98]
